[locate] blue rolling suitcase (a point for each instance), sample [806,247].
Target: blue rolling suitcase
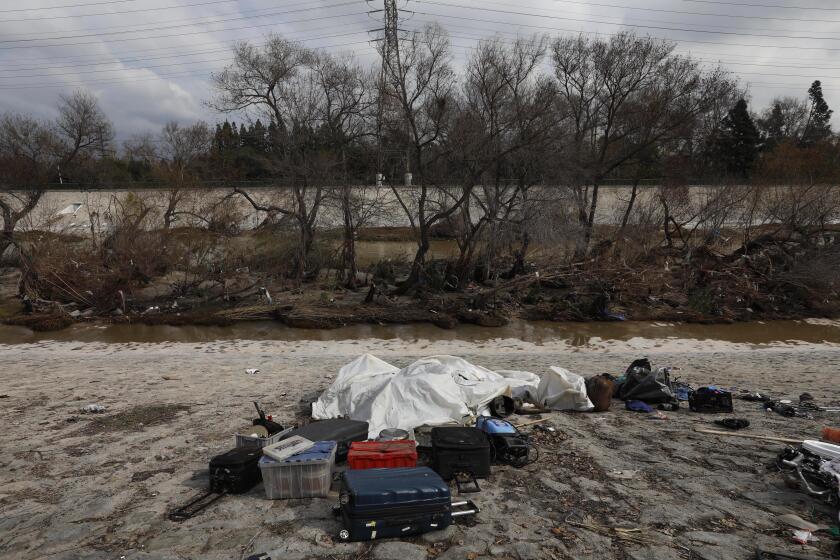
[388,503]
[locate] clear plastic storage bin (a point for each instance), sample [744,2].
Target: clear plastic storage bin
[305,475]
[243,440]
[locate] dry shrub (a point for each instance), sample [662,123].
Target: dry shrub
[41,322]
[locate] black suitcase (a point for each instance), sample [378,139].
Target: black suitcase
[460,451]
[233,472]
[342,431]
[236,471]
[395,502]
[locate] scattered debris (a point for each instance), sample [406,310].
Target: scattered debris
[733,423]
[94,408]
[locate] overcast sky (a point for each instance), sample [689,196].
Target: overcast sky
[149,61]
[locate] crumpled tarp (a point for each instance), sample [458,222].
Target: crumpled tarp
[561,389]
[432,391]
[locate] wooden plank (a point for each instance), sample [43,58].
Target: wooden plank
[751,436]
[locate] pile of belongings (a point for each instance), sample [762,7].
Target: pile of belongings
[439,390]
[815,466]
[642,382]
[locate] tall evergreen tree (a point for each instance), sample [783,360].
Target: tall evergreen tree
[244,136]
[738,142]
[258,139]
[818,127]
[773,127]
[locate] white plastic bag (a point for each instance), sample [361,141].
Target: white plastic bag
[561,389]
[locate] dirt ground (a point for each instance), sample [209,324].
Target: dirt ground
[75,486]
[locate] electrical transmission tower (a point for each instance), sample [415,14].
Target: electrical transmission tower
[390,50]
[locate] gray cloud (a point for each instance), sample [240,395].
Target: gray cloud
[146,78]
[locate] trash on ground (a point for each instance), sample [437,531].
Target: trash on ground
[804,537]
[638,406]
[733,423]
[642,382]
[252,371]
[710,399]
[831,434]
[94,409]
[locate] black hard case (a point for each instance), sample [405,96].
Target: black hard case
[342,431]
[236,471]
[460,450]
[393,502]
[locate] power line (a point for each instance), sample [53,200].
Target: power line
[622,20]
[683,12]
[66,6]
[85,60]
[227,58]
[185,33]
[685,52]
[792,86]
[129,60]
[120,12]
[684,30]
[762,5]
[158,28]
[190,20]
[581,31]
[179,74]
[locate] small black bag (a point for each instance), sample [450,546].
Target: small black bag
[236,471]
[457,450]
[233,472]
[706,399]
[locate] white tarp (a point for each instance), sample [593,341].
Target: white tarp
[563,390]
[431,391]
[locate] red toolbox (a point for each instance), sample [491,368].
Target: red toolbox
[382,454]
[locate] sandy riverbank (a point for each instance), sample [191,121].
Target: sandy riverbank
[74,486]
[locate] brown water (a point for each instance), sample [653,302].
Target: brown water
[371,252]
[594,334]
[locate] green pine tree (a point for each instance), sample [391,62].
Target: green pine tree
[818,127]
[738,142]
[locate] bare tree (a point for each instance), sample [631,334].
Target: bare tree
[141,147]
[83,127]
[180,148]
[420,84]
[506,110]
[275,80]
[33,152]
[624,95]
[784,119]
[345,114]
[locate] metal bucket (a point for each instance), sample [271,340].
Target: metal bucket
[392,434]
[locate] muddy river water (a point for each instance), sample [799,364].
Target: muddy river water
[592,335]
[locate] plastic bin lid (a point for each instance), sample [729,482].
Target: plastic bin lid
[320,452]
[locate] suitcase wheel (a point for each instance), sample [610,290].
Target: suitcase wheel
[344,535]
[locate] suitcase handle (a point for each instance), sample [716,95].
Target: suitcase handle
[472,509]
[194,506]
